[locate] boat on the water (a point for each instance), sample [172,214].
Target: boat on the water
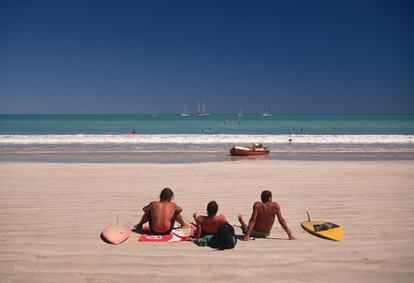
[255,149]
[185,113]
[267,113]
[240,114]
[202,112]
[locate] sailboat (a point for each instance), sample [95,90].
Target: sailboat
[203,112]
[185,114]
[154,113]
[240,113]
[267,113]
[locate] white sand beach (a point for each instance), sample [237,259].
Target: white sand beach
[52,214]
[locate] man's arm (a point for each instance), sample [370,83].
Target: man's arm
[178,209]
[198,222]
[282,221]
[252,221]
[147,208]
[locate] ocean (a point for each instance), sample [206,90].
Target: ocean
[288,134]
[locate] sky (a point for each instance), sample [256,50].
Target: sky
[125,57]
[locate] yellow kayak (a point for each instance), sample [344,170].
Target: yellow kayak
[323,229]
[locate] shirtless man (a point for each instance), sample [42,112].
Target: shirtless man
[208,225]
[161,215]
[263,217]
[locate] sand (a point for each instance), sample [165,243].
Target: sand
[52,214]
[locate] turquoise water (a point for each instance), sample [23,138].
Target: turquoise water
[214,124]
[215,133]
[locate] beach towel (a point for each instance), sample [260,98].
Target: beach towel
[177,235]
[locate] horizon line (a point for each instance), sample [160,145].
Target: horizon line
[210,114]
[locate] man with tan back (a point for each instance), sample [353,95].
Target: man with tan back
[161,215]
[263,217]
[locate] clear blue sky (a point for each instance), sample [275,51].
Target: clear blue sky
[316,57]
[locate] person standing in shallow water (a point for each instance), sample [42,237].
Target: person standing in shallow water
[208,225]
[263,217]
[161,215]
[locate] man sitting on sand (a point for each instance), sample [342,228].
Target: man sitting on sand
[207,225]
[263,217]
[161,215]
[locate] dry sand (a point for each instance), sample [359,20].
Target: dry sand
[52,216]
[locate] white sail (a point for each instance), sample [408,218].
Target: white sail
[185,114]
[267,113]
[203,110]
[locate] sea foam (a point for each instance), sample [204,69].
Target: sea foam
[90,139]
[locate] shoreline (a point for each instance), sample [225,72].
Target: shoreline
[158,157]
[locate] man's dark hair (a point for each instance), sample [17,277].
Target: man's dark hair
[166,194]
[212,208]
[266,195]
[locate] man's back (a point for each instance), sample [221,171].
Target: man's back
[265,218]
[210,225]
[162,213]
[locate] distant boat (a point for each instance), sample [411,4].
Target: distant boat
[255,149]
[154,113]
[202,112]
[185,114]
[240,113]
[267,113]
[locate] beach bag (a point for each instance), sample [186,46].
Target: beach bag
[225,238]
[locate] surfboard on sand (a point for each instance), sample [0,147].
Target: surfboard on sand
[323,229]
[116,234]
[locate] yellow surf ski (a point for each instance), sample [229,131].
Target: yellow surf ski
[323,229]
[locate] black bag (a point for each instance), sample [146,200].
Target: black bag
[225,238]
